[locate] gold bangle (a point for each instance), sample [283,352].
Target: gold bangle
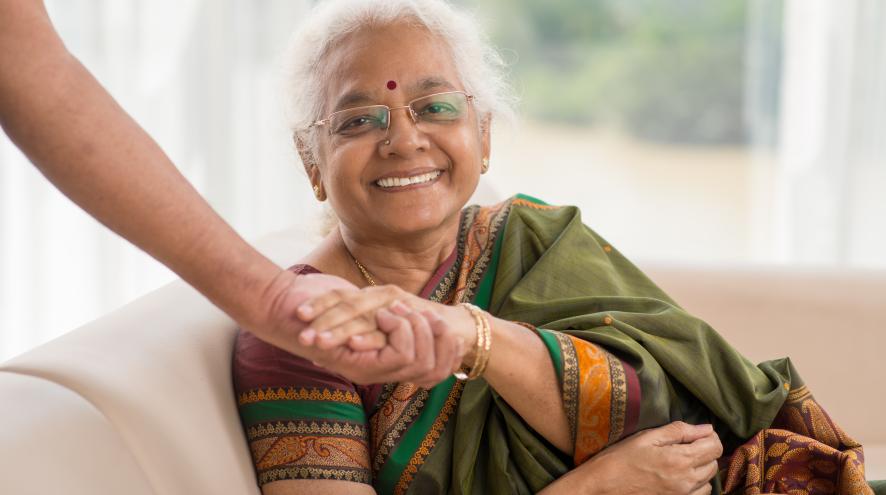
[482,348]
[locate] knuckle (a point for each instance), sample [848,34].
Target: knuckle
[346,305]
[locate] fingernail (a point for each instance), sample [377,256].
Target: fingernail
[305,311]
[357,338]
[307,335]
[325,335]
[400,308]
[705,427]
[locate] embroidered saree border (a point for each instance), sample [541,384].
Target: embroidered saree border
[562,353]
[430,439]
[329,443]
[442,291]
[480,241]
[302,393]
[482,244]
[597,392]
[398,411]
[258,412]
[618,399]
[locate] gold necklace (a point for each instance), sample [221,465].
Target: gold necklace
[363,270]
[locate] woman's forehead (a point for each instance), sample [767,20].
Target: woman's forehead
[363,66]
[355,95]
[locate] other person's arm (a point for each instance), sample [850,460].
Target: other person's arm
[82,141]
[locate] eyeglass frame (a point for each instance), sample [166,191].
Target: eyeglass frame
[322,122]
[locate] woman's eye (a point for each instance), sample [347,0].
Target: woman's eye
[438,108]
[356,124]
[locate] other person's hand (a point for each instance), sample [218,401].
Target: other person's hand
[675,459]
[281,327]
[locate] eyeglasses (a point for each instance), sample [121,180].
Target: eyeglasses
[429,113]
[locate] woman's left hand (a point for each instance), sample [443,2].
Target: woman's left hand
[342,317]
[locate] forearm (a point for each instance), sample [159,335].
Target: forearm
[83,142]
[522,372]
[574,482]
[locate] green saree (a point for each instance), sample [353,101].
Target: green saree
[627,356]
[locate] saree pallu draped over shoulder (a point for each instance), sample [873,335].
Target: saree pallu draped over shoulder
[627,357]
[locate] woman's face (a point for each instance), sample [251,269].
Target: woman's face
[393,65]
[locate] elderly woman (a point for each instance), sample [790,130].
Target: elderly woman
[563,350]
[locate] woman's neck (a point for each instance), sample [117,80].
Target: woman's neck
[408,261]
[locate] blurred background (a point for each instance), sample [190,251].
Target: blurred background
[689,132]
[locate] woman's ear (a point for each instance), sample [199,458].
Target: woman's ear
[309,161]
[485,138]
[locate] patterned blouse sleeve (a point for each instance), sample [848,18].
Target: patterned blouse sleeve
[301,421]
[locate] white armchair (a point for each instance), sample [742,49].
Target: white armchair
[140,401]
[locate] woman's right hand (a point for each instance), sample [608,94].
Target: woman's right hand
[421,348]
[675,459]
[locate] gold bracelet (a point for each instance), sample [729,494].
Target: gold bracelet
[483,346]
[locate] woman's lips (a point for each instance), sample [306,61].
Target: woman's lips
[412,181]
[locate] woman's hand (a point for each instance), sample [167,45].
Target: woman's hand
[345,316]
[675,459]
[398,344]
[420,349]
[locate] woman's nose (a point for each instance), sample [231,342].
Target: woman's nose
[404,133]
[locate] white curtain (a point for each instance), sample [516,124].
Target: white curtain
[830,193]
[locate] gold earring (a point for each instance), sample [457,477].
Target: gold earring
[317,192]
[484,167]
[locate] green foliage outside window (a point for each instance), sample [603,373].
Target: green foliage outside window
[667,70]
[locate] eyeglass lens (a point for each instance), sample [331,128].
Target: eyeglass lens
[433,109]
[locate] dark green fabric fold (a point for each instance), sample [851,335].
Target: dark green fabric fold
[556,273]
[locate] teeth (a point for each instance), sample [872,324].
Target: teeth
[408,181]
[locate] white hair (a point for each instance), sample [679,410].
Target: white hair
[478,64]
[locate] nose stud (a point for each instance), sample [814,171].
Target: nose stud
[387,142]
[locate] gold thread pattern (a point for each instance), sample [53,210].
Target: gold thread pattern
[570,381]
[530,204]
[272,394]
[395,415]
[479,244]
[427,444]
[803,452]
[619,400]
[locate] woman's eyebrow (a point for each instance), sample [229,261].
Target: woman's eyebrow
[358,98]
[352,98]
[432,83]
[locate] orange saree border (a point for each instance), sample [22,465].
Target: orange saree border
[600,393]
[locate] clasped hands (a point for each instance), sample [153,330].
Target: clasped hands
[377,334]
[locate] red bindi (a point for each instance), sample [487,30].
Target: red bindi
[392,85]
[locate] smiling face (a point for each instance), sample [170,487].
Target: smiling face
[417,178]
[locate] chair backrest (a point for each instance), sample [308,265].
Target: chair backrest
[143,397]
